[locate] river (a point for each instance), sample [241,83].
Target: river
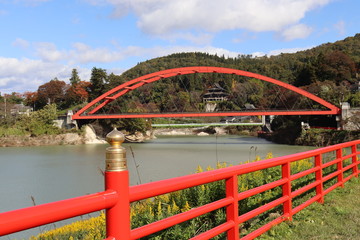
[52,173]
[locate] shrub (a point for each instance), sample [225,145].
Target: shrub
[159,207]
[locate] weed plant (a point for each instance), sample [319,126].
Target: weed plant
[160,207]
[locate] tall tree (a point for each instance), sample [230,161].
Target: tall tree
[74,79]
[98,79]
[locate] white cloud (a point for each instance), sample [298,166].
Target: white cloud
[85,54]
[19,42]
[340,27]
[26,74]
[198,39]
[79,53]
[280,51]
[295,32]
[288,50]
[48,52]
[20,75]
[163,51]
[161,17]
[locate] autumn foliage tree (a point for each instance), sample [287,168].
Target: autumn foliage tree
[336,66]
[77,93]
[51,92]
[14,98]
[30,98]
[58,92]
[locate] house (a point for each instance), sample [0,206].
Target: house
[215,94]
[20,109]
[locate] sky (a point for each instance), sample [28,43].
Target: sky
[45,39]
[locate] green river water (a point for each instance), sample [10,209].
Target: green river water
[52,173]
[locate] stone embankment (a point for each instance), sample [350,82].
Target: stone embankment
[148,135]
[45,140]
[204,131]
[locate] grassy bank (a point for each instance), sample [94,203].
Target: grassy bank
[337,218]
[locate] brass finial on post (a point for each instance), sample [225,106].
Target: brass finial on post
[115,154]
[117,180]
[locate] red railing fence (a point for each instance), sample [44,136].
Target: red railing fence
[118,195]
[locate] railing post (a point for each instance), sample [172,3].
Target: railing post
[232,211]
[286,189]
[354,158]
[319,177]
[117,179]
[339,155]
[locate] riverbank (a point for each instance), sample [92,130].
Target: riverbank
[325,137]
[44,140]
[87,136]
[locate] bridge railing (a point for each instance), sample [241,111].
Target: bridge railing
[118,195]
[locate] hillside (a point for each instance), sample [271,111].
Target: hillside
[344,54]
[329,71]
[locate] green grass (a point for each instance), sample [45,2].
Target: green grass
[337,218]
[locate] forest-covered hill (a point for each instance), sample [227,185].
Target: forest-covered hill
[330,71]
[337,62]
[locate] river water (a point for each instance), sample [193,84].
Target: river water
[52,173]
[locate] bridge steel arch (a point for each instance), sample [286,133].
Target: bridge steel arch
[90,110]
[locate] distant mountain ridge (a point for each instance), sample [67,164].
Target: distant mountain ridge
[287,67]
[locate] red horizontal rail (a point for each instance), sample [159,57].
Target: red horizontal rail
[265,228]
[330,176]
[214,231]
[119,195]
[304,189]
[333,162]
[304,173]
[253,213]
[204,114]
[26,218]
[179,218]
[148,190]
[348,167]
[260,189]
[306,204]
[336,185]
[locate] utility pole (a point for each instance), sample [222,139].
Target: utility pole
[5,105]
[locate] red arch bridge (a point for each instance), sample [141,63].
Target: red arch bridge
[94,110]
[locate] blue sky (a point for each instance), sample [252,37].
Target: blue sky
[44,39]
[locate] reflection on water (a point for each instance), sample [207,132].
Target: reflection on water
[52,173]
